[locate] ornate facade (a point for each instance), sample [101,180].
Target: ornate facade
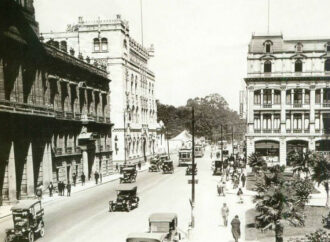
[54,109]
[288,96]
[134,110]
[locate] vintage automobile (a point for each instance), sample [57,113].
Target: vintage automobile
[126,198]
[164,157]
[154,165]
[189,170]
[28,221]
[168,167]
[165,223]
[217,170]
[146,237]
[129,175]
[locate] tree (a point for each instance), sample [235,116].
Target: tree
[318,236]
[277,199]
[256,162]
[321,173]
[301,161]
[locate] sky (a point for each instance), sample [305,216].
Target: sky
[200,45]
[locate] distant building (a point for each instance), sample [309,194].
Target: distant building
[54,109]
[288,96]
[134,110]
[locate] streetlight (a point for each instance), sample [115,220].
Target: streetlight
[126,110]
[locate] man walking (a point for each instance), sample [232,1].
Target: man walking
[63,188]
[59,187]
[68,189]
[236,228]
[82,177]
[50,188]
[225,214]
[74,179]
[96,176]
[243,180]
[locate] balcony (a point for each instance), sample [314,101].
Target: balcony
[277,131]
[306,131]
[297,105]
[69,115]
[326,105]
[68,150]
[267,131]
[267,105]
[58,151]
[297,131]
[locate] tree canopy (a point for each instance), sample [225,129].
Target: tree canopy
[210,113]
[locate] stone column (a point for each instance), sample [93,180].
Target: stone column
[321,97]
[272,122]
[321,122]
[303,96]
[272,96]
[283,113]
[282,157]
[261,122]
[312,110]
[261,97]
[292,97]
[291,126]
[85,161]
[30,172]
[11,174]
[303,122]
[47,166]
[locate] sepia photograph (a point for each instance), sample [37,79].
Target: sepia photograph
[164,121]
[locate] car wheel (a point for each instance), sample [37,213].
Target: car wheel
[42,230]
[31,236]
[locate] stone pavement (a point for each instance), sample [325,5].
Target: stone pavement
[5,210]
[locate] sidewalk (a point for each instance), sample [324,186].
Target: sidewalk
[5,210]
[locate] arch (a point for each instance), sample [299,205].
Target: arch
[104,44]
[268,46]
[269,149]
[268,66]
[96,43]
[327,65]
[298,66]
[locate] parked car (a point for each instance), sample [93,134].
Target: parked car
[28,221]
[146,237]
[217,170]
[126,198]
[168,167]
[129,175]
[154,165]
[189,170]
[166,223]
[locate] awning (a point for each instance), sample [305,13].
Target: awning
[267,145]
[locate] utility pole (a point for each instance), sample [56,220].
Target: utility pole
[232,139]
[221,144]
[168,146]
[193,169]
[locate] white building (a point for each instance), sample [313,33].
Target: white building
[133,107]
[288,96]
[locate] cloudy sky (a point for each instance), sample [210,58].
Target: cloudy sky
[201,45]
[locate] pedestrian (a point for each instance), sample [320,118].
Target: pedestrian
[139,165]
[96,176]
[50,188]
[117,167]
[74,178]
[236,228]
[225,214]
[240,195]
[59,188]
[211,154]
[82,178]
[279,231]
[63,188]
[68,189]
[39,191]
[243,180]
[100,177]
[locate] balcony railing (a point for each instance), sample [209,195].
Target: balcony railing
[297,131]
[297,105]
[326,105]
[58,151]
[68,150]
[317,131]
[306,131]
[267,105]
[266,131]
[277,131]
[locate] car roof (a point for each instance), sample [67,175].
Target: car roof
[128,168]
[24,204]
[162,217]
[158,236]
[126,187]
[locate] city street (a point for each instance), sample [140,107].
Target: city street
[85,216]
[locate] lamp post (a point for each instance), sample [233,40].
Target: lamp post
[127,110]
[193,169]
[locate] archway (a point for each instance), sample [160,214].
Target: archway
[295,145]
[268,149]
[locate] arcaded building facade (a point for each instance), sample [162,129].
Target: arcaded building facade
[54,109]
[288,96]
[134,110]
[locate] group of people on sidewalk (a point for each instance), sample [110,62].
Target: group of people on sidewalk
[235,223]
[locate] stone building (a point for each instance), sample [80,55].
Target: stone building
[288,96]
[134,110]
[54,109]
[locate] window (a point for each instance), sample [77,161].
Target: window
[277,97]
[298,66]
[267,122]
[297,96]
[326,95]
[268,67]
[318,96]
[257,97]
[317,120]
[96,44]
[288,97]
[307,96]
[297,121]
[327,65]
[299,47]
[64,46]
[328,47]
[56,44]
[104,44]
[267,96]
[288,121]
[306,122]
[277,122]
[267,47]
[125,44]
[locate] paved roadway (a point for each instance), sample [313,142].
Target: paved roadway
[85,217]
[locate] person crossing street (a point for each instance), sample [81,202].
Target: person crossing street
[225,214]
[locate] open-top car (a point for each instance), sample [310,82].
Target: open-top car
[189,170]
[129,175]
[28,221]
[126,198]
[217,170]
[154,165]
[168,167]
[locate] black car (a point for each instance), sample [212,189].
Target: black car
[218,166]
[126,198]
[168,167]
[189,170]
[129,175]
[28,221]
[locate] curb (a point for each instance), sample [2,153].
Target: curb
[88,188]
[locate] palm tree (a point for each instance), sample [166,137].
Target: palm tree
[256,162]
[321,174]
[301,161]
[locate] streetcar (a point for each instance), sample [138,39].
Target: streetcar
[199,151]
[185,157]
